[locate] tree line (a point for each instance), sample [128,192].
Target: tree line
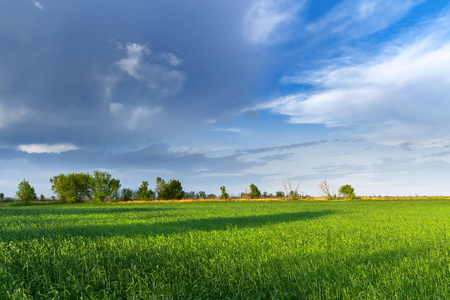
[100,187]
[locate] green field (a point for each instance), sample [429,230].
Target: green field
[219,250]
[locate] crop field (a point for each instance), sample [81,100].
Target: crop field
[219,250]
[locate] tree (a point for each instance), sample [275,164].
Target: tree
[103,186]
[224,194]
[144,192]
[42,197]
[160,183]
[324,188]
[190,195]
[170,190]
[127,194]
[25,192]
[347,191]
[280,194]
[254,192]
[201,195]
[2,196]
[173,190]
[72,187]
[290,191]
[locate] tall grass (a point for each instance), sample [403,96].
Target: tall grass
[236,250]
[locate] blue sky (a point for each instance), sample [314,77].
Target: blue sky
[228,93]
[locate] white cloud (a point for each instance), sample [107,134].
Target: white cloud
[46,148]
[398,97]
[265,17]
[355,18]
[38,5]
[153,70]
[132,116]
[171,59]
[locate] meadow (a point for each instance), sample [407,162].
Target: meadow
[227,250]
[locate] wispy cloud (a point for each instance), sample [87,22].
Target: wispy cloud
[357,18]
[152,70]
[400,96]
[45,148]
[284,147]
[265,17]
[38,5]
[132,116]
[233,130]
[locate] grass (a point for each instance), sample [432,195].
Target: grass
[218,250]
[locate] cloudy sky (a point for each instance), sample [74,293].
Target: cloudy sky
[228,93]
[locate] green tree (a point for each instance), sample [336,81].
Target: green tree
[280,194]
[224,194]
[2,196]
[103,186]
[173,190]
[127,194]
[254,191]
[160,184]
[190,195]
[144,192]
[169,190]
[347,191]
[25,192]
[201,195]
[72,187]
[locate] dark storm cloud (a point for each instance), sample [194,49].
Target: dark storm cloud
[64,70]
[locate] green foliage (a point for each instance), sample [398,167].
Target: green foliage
[224,195]
[103,186]
[2,196]
[127,194]
[144,192]
[190,195]
[72,187]
[160,185]
[254,191]
[273,250]
[201,195]
[347,191]
[42,198]
[25,192]
[279,194]
[171,190]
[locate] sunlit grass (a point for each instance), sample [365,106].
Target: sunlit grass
[219,250]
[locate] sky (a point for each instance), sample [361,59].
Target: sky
[228,93]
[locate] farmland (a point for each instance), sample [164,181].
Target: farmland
[217,250]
